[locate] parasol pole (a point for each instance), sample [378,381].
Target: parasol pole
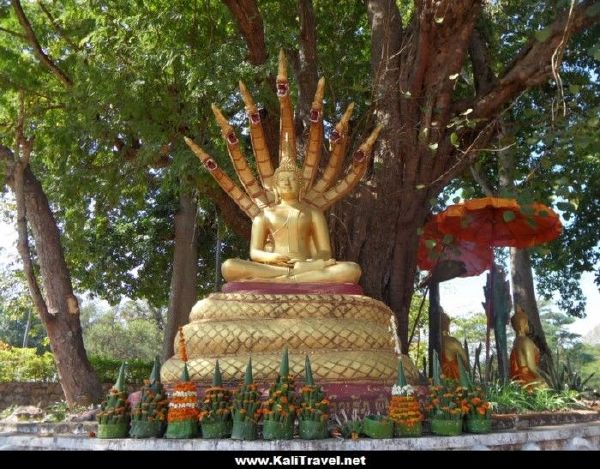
[435,336]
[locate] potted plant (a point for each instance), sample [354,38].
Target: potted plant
[445,404]
[352,429]
[479,416]
[313,412]
[149,415]
[182,416]
[404,407]
[114,415]
[215,417]
[378,426]
[245,408]
[279,410]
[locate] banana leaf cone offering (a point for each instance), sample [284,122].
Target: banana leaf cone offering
[245,408]
[404,408]
[215,417]
[183,412]
[149,415]
[279,411]
[114,415]
[313,411]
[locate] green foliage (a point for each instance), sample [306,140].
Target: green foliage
[563,375]
[15,309]
[57,412]
[24,364]
[417,325]
[352,429]
[129,331]
[470,328]
[513,398]
[107,369]
[589,361]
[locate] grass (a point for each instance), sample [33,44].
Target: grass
[512,398]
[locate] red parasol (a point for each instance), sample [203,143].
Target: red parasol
[494,221]
[445,257]
[436,249]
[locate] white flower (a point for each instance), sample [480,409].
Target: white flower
[407,390]
[183,405]
[184,394]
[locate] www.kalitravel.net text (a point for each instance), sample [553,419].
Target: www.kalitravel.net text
[301,460]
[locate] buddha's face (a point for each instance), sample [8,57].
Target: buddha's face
[287,184]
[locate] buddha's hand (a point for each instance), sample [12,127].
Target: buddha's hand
[279,259]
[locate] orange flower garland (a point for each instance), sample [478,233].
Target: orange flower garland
[404,410]
[183,405]
[184,401]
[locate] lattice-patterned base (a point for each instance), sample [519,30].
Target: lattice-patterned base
[349,338]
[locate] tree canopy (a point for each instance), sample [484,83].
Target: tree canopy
[110,89]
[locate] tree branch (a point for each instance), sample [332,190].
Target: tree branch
[249,21]
[14,33]
[250,24]
[57,27]
[37,48]
[423,46]
[481,180]
[483,75]
[534,63]
[17,165]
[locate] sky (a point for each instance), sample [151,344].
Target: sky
[460,296]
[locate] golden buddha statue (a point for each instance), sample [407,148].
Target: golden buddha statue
[290,239]
[452,350]
[525,356]
[292,293]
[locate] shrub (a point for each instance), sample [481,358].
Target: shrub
[108,369]
[24,364]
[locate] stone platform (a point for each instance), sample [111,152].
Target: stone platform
[582,436]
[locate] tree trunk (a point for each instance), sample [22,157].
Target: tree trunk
[382,237]
[185,271]
[524,295]
[77,378]
[521,272]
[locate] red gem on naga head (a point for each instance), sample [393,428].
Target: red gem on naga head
[254,117]
[359,156]
[335,136]
[211,164]
[231,138]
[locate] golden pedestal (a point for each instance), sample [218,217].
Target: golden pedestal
[350,339]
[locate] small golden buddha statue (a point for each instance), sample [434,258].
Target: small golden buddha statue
[452,350]
[525,356]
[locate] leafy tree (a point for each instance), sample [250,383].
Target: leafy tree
[19,324]
[436,123]
[131,330]
[125,90]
